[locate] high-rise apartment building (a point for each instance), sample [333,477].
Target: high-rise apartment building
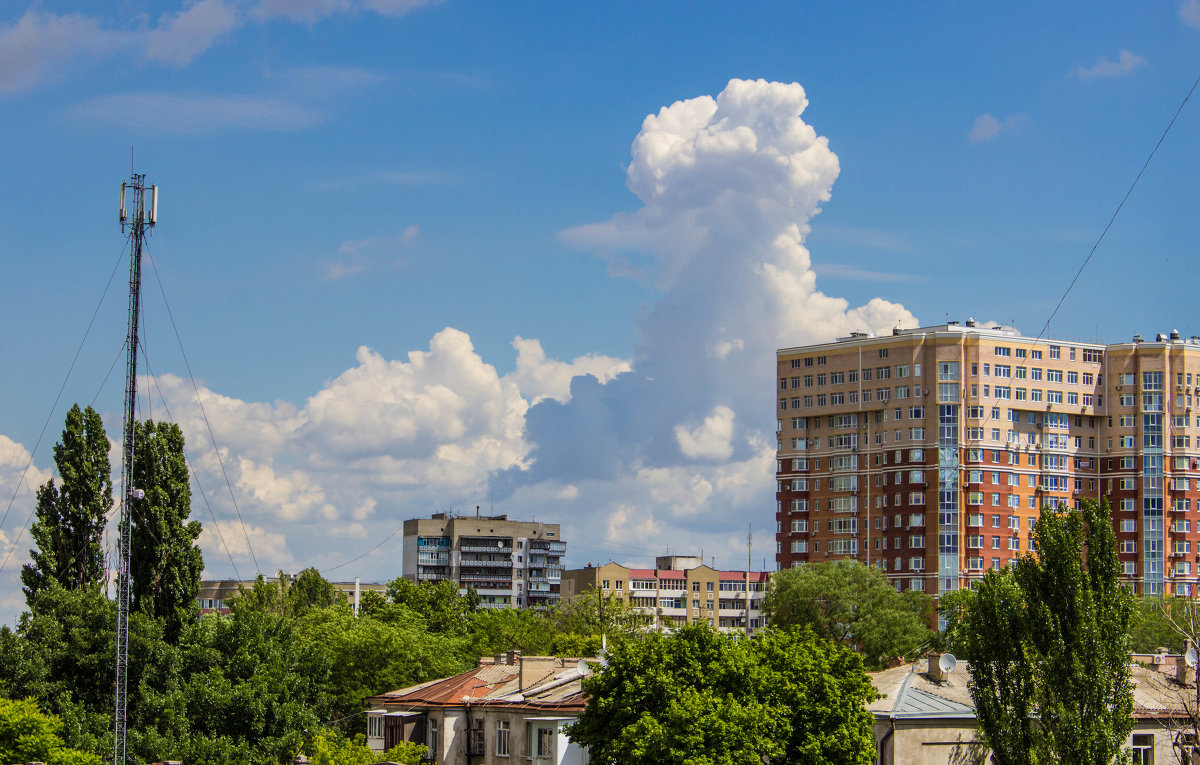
[509,563]
[929,452]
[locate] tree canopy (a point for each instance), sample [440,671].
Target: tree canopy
[28,735]
[848,602]
[1050,640]
[701,697]
[166,562]
[71,516]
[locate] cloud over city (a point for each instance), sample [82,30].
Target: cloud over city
[673,447]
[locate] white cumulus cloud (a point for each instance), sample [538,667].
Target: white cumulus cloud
[40,47]
[1126,62]
[1189,13]
[986,127]
[672,448]
[710,440]
[183,35]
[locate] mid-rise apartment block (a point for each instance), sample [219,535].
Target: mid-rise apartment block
[679,590]
[215,595]
[929,452]
[509,563]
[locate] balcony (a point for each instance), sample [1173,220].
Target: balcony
[492,548]
[486,563]
[470,577]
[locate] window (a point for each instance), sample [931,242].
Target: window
[475,738]
[545,736]
[431,739]
[374,726]
[502,738]
[1143,749]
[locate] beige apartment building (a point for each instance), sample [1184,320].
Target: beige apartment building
[215,595]
[509,563]
[679,590]
[929,451]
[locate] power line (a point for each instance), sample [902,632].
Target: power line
[368,552]
[1118,210]
[191,467]
[196,389]
[50,414]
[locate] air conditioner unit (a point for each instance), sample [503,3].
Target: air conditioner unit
[1159,658]
[1119,387]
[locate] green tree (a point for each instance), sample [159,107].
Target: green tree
[595,613]
[309,590]
[165,562]
[62,655]
[71,517]
[698,696]
[340,751]
[992,632]
[1162,623]
[248,688]
[1050,641]
[527,630]
[850,603]
[439,603]
[28,735]
[952,608]
[368,655]
[1082,615]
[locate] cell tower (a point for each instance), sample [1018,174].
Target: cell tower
[141,221]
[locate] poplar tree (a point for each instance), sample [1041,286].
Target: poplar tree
[1048,645]
[166,562]
[71,515]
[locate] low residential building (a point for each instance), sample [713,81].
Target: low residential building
[510,708]
[679,590]
[927,717]
[215,594]
[509,563]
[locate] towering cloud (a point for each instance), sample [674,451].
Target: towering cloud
[728,187]
[673,448]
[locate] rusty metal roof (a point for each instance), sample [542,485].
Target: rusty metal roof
[551,683]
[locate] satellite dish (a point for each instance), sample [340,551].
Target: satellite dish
[1190,657]
[947,663]
[500,543]
[583,668]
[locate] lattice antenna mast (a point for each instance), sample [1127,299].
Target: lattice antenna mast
[141,222]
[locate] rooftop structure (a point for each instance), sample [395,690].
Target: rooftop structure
[509,708]
[926,715]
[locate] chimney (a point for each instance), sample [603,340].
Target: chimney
[1184,675]
[535,669]
[936,672]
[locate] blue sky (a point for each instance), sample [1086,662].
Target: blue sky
[346,182]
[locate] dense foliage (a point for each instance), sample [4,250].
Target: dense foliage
[1049,641]
[71,515]
[848,602]
[698,696]
[166,562]
[28,735]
